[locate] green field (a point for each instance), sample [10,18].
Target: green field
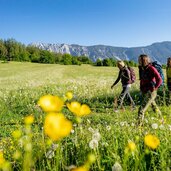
[21,86]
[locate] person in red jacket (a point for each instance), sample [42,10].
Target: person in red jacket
[150,81]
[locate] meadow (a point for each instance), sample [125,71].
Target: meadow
[100,141]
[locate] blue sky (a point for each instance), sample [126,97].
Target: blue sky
[126,23]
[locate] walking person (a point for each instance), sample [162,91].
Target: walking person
[168,76]
[125,77]
[150,80]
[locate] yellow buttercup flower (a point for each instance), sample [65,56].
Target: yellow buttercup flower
[2,160]
[51,103]
[82,168]
[151,141]
[131,146]
[69,95]
[16,134]
[91,158]
[28,120]
[74,107]
[78,109]
[85,110]
[56,126]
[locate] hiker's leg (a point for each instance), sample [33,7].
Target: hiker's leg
[147,100]
[144,96]
[132,101]
[156,108]
[122,96]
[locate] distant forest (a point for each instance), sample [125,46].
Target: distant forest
[11,50]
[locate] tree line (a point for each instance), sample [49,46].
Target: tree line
[11,50]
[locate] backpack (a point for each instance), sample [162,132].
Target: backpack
[158,67]
[132,75]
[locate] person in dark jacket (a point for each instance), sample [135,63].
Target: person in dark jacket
[150,81]
[125,77]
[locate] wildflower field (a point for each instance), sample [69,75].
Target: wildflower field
[58,118]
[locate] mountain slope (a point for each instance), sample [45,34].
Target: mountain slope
[157,51]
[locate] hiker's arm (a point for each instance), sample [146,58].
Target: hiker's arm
[117,80]
[158,78]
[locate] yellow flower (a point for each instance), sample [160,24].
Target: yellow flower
[82,168]
[74,107]
[16,134]
[17,155]
[2,160]
[131,146]
[85,110]
[151,141]
[91,158]
[69,95]
[28,120]
[51,103]
[78,109]
[56,126]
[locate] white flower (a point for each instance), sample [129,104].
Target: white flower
[161,127]
[154,125]
[91,129]
[108,128]
[96,136]
[122,123]
[50,154]
[169,126]
[72,131]
[132,124]
[93,144]
[116,167]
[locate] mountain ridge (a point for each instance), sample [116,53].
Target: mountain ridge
[159,51]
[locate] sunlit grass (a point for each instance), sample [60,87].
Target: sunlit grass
[113,138]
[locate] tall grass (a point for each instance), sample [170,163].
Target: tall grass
[22,84]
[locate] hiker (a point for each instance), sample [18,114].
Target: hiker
[168,76]
[150,80]
[125,77]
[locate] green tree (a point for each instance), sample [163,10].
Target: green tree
[12,47]
[57,57]
[67,59]
[84,60]
[3,51]
[107,62]
[46,57]
[75,61]
[34,53]
[99,62]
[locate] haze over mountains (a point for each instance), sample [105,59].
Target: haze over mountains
[157,51]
